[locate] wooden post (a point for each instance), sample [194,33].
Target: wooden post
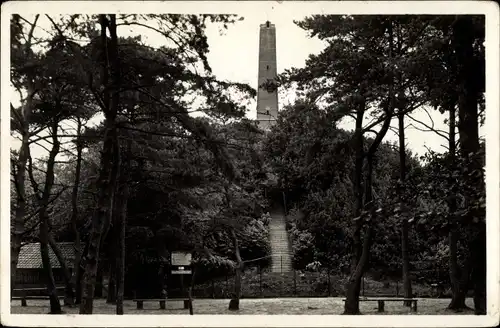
[162,305]
[294,282]
[183,292]
[284,203]
[260,280]
[213,288]
[363,283]
[190,292]
[282,278]
[23,300]
[414,308]
[381,305]
[329,284]
[181,277]
[227,285]
[99,284]
[140,305]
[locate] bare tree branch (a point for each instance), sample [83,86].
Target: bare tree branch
[440,133]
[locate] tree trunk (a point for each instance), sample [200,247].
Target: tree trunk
[406,262]
[458,277]
[162,272]
[55,306]
[479,269]
[468,95]
[18,226]
[100,215]
[458,285]
[98,283]
[234,304]
[113,248]
[77,245]
[404,224]
[111,297]
[351,305]
[123,194]
[107,180]
[79,275]
[468,127]
[357,248]
[43,201]
[69,294]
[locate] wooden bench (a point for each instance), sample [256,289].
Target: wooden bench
[162,301]
[381,302]
[26,297]
[140,302]
[185,300]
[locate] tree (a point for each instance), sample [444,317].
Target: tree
[23,76]
[471,80]
[152,83]
[43,197]
[457,79]
[54,97]
[379,48]
[120,226]
[76,281]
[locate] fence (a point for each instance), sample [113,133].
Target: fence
[264,283]
[260,282]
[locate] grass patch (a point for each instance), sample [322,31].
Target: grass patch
[256,284]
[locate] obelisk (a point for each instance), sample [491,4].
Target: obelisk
[267,97]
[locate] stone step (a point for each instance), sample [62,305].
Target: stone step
[281,260]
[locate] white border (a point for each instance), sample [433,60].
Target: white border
[490,9]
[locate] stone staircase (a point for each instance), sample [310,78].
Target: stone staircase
[281,260]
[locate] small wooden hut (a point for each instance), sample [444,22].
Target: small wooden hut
[29,273]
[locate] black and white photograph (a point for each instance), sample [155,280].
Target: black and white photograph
[272,163]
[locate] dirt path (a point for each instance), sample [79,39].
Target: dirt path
[305,306]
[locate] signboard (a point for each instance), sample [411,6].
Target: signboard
[181,263]
[180,259]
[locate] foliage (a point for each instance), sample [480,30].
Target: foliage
[193,181]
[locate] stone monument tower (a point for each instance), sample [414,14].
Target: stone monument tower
[267,98]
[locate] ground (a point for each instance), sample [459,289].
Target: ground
[308,306]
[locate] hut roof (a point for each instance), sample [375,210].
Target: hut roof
[30,257]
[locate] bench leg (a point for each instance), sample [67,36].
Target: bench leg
[23,302]
[414,307]
[186,304]
[381,305]
[162,305]
[140,305]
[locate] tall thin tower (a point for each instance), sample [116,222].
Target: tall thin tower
[267,98]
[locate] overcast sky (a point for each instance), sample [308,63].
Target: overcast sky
[234,56]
